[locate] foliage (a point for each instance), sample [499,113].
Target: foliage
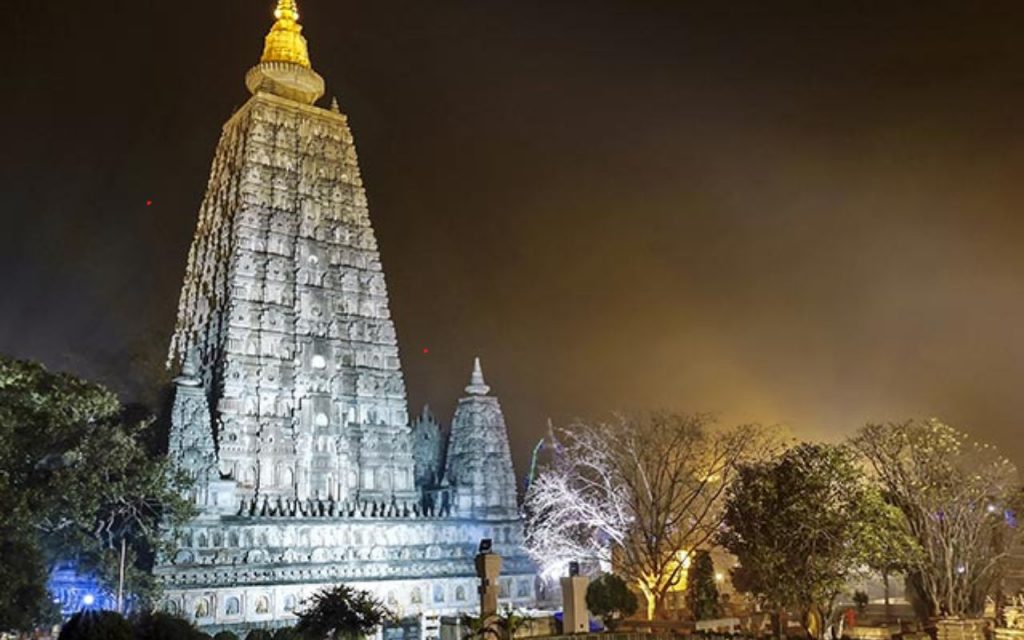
[800,526]
[24,601]
[889,547]
[225,635]
[701,588]
[260,634]
[959,500]
[79,478]
[286,633]
[96,625]
[609,598]
[501,626]
[860,598]
[165,626]
[638,493]
[341,612]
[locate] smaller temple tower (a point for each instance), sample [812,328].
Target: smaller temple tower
[479,462]
[191,445]
[427,449]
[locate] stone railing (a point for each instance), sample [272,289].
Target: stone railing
[961,629]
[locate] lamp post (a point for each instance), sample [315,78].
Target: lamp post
[488,566]
[120,577]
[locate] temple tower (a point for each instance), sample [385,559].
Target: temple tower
[479,463]
[291,410]
[285,301]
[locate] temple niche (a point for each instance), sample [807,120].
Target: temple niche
[291,411]
[428,449]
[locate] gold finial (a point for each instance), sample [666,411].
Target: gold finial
[285,43]
[286,10]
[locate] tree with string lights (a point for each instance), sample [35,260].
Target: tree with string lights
[639,494]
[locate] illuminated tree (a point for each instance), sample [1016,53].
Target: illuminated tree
[801,526]
[639,494]
[959,500]
[76,478]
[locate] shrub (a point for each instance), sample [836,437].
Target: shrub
[610,598]
[860,599]
[96,625]
[701,588]
[165,626]
[225,635]
[341,612]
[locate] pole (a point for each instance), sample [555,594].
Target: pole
[120,577]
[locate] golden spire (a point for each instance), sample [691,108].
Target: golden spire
[285,43]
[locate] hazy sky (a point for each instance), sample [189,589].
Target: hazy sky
[806,213]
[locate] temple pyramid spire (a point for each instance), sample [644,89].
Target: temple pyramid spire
[477,384]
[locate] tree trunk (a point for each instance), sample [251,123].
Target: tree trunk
[649,598]
[888,609]
[779,624]
[814,622]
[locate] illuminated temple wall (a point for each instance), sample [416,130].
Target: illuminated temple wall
[291,410]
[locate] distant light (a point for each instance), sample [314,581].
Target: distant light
[426,351]
[961,569]
[991,508]
[88,599]
[149,203]
[719,577]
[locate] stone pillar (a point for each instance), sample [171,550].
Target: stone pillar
[488,567]
[575,617]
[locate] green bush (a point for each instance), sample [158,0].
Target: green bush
[342,612]
[225,635]
[861,599]
[610,598]
[96,625]
[701,589]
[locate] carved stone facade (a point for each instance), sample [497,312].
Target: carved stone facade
[285,303]
[479,462]
[291,412]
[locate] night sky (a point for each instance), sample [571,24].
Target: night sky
[798,213]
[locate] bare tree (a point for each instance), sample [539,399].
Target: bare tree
[640,494]
[960,500]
